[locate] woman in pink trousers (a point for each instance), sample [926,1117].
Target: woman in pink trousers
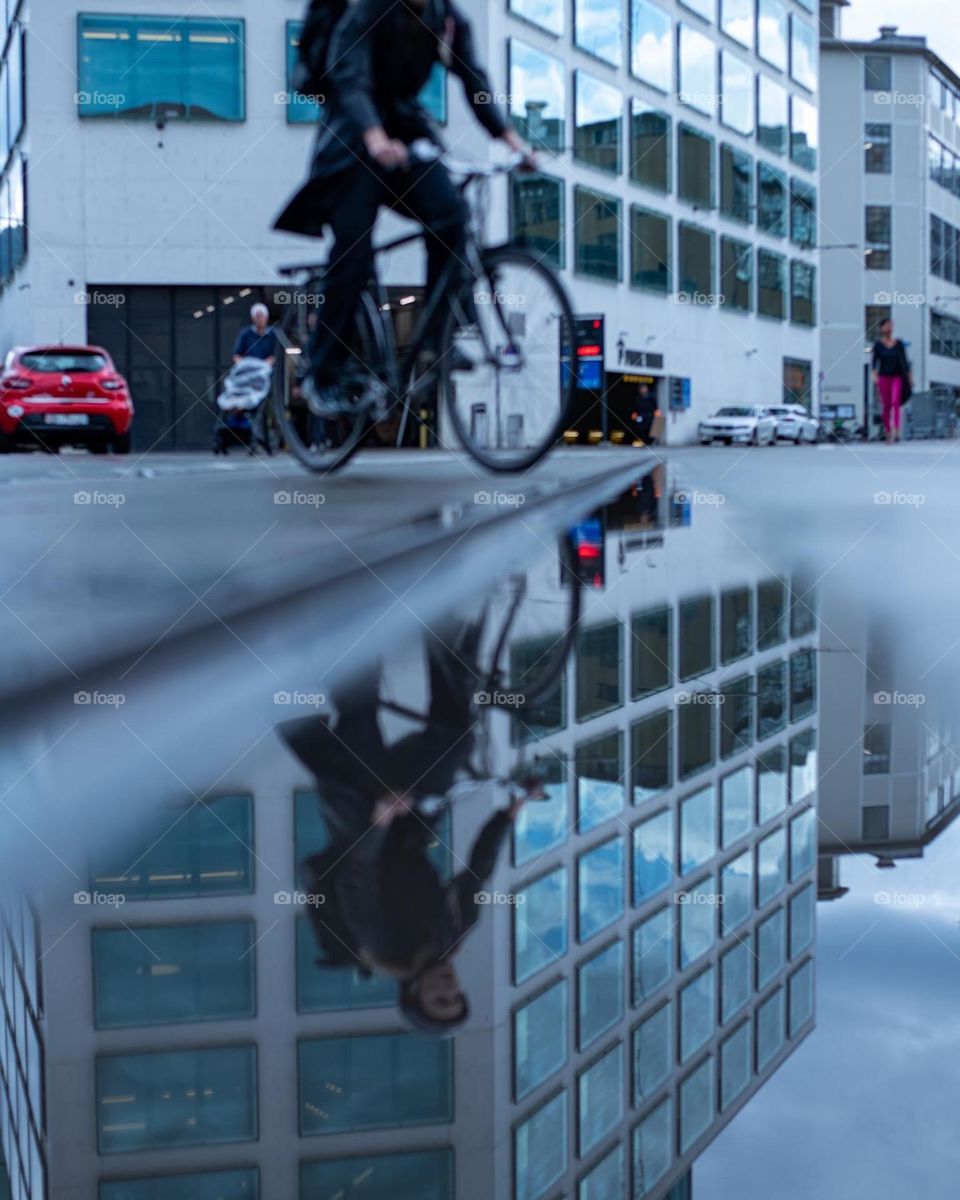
[892,375]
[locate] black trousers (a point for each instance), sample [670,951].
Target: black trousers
[423,192]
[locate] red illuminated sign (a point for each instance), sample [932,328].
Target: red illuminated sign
[589,352]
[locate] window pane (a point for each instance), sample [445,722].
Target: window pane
[540,924]
[651,653]
[601,875]
[879,235]
[771,947]
[649,250]
[650,756]
[772,275]
[803,53]
[803,845]
[771,866]
[324,987]
[803,217]
[600,1099]
[696,1104]
[540,1038]
[652,1149]
[192,68]
[735,1067]
[802,293]
[877,73]
[599,994]
[695,167]
[652,856]
[804,133]
[736,981]
[771,115]
[695,721]
[801,997]
[736,805]
[736,716]
[537,219]
[599,119]
[770,1017]
[736,888]
[771,783]
[374,1082]
[537,96]
[652,954]
[177,1098]
[771,699]
[736,184]
[736,21]
[601,788]
[548,14]
[736,624]
[208,1185]
[772,197]
[651,50]
[301,110]
[157,974]
[599,675]
[540,1149]
[876,822]
[596,32]
[736,274]
[541,826]
[696,637]
[652,1052]
[698,921]
[771,613]
[426,1174]
[737,96]
[876,748]
[878,148]
[803,684]
[650,146]
[772,32]
[607,1180]
[697,58]
[697,1006]
[802,919]
[597,234]
[526,659]
[698,829]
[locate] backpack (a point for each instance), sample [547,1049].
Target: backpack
[310,72]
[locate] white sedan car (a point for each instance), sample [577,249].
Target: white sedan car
[739,423]
[795,423]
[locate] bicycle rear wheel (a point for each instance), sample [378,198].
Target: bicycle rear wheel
[507,386]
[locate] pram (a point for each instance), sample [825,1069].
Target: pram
[242,403]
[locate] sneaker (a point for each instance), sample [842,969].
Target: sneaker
[329,400]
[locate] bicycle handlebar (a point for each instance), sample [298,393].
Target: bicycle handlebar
[423,150]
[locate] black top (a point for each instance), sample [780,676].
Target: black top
[250,344]
[890,360]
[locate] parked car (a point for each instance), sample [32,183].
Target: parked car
[53,396]
[739,423]
[795,423]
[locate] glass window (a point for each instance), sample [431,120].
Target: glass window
[736,983]
[771,866]
[652,856]
[772,276]
[595,32]
[771,947]
[736,275]
[803,53]
[736,184]
[804,133]
[735,1065]
[607,1180]
[876,748]
[599,673]
[697,921]
[599,994]
[537,96]
[537,223]
[649,250]
[650,146]
[695,721]
[540,924]
[652,1052]
[802,919]
[736,21]
[540,1038]
[542,826]
[650,756]
[737,93]
[176,1098]
[601,876]
[772,32]
[597,227]
[207,1185]
[548,14]
[877,73]
[772,197]
[876,822]
[770,1020]
[652,954]
[599,116]
[736,716]
[301,110]
[651,51]
[771,699]
[698,1002]
[540,1149]
[771,613]
[651,653]
[771,783]
[695,170]
[736,624]
[206,851]
[325,987]
[803,214]
[377,1081]
[652,1148]
[155,974]
[697,653]
[736,888]
[697,63]
[527,655]
[879,236]
[803,844]
[601,788]
[696,1104]
[800,998]
[599,1099]
[771,115]
[698,829]
[736,805]
[802,293]
[878,148]
[189,69]
[803,684]
[426,1174]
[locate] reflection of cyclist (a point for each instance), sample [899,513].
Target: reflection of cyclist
[380,58]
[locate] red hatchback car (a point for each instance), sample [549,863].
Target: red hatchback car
[53,396]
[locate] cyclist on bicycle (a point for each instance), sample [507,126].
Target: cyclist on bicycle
[380,57]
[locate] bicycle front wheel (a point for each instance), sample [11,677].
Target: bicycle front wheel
[505,363]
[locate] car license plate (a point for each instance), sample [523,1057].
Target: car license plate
[71,419]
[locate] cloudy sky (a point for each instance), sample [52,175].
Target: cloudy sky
[926,18]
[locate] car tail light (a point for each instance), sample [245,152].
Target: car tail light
[112,385]
[15,381]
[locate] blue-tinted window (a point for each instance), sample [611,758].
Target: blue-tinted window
[801,997]
[599,30]
[651,654]
[174,67]
[772,32]
[547,14]
[601,788]
[735,1065]
[698,920]
[698,1005]
[736,716]
[301,110]
[652,954]
[772,130]
[803,766]
[651,44]
[597,232]
[599,994]
[601,879]
[802,915]
[652,856]
[599,669]
[537,223]
[538,102]
[771,947]
[540,1149]
[542,826]
[152,975]
[697,650]
[426,1174]
[697,66]
[771,783]
[738,93]
[206,851]
[737,20]
[208,1185]
[652,1052]
[770,1018]
[803,845]
[736,887]
[805,135]
[695,735]
[650,756]
[176,1098]
[374,1082]
[696,1104]
[803,684]
[803,53]
[540,1038]
[652,1148]
[607,1180]
[16,85]
[540,924]
[325,988]
[598,133]
[771,699]
[736,605]
[771,866]
[698,828]
[736,805]
[599,1099]
[736,983]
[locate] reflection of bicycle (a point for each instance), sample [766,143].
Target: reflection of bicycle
[505,327]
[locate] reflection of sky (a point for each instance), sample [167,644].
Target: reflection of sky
[804,54]
[738,20]
[599,29]
[772,33]
[651,44]
[737,93]
[596,101]
[548,14]
[698,70]
[535,78]
[866,1109]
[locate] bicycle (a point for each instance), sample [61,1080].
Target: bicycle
[503,363]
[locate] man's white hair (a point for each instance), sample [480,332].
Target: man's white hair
[259,309]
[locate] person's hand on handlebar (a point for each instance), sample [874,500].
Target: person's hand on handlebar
[518,146]
[386,151]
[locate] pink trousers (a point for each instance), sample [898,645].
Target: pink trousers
[891,389]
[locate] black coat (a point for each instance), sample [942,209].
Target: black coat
[380,58]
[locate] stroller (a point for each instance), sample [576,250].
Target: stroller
[242,420]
